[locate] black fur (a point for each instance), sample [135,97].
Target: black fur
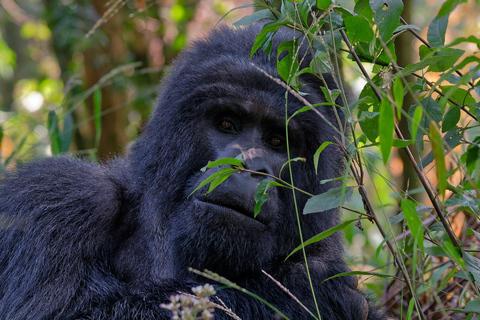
[87,241]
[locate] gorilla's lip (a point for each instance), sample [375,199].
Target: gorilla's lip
[232,208]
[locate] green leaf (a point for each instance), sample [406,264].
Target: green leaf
[288,66]
[316,156]
[219,174]
[52,124]
[471,39]
[411,305]
[322,235]
[387,16]
[398,94]
[416,121]
[328,200]
[436,31]
[451,119]
[261,195]
[358,29]
[449,56]
[324,4]
[472,265]
[236,162]
[471,231]
[67,133]
[264,14]
[386,127]
[448,7]
[264,38]
[414,222]
[406,27]
[439,155]
[473,306]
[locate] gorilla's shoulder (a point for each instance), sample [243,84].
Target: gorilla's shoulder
[60,192]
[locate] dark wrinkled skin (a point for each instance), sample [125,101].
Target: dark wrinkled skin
[114,241]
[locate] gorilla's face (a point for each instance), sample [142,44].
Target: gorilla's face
[218,231]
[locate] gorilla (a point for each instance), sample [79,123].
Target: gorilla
[80,240]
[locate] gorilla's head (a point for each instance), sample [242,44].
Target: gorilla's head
[216,103]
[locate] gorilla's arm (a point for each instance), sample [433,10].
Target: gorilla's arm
[59,224]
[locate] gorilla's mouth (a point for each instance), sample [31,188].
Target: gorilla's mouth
[231,208]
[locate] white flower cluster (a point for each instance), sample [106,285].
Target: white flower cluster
[192,307]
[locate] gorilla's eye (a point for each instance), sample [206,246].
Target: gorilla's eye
[276,142]
[227,125]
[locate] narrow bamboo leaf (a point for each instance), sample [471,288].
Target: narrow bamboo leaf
[386,126]
[439,156]
[411,305]
[67,133]
[380,246]
[215,183]
[398,95]
[362,273]
[402,143]
[224,161]
[52,124]
[414,222]
[416,121]
[436,31]
[328,200]
[447,279]
[323,235]
[213,177]
[316,156]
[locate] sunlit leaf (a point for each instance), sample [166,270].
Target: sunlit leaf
[386,127]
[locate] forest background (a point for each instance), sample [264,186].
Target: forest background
[81,77]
